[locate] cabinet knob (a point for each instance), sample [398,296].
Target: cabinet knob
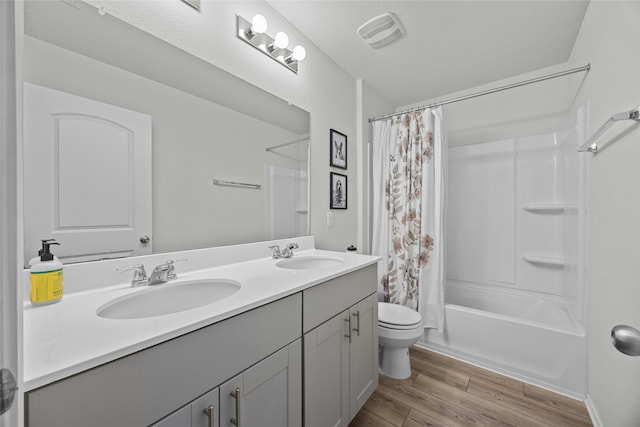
[145,240]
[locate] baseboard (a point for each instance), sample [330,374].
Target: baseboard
[593,413]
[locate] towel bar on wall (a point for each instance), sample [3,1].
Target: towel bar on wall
[591,145]
[236,184]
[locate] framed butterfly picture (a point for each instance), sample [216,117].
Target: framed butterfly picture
[338,150]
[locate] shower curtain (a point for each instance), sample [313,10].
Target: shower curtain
[408,211]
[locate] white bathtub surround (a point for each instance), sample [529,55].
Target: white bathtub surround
[408,206]
[516,246]
[67,338]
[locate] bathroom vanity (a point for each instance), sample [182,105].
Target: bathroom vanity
[239,361]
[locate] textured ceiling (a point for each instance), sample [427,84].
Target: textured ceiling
[448,46]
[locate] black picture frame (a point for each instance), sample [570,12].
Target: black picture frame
[338,144]
[338,191]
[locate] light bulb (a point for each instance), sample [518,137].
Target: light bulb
[299,53]
[281,40]
[258,24]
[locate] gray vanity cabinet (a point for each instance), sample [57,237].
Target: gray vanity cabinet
[194,415]
[363,353]
[341,352]
[267,394]
[144,387]
[249,367]
[180,418]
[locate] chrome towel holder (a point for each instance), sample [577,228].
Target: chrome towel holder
[591,145]
[236,184]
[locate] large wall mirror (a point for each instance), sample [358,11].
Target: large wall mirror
[206,125]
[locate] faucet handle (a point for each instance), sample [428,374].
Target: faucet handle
[277,253]
[171,269]
[291,246]
[139,274]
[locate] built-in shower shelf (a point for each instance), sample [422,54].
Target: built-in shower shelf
[548,207]
[545,261]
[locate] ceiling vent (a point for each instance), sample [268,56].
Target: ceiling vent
[381,30]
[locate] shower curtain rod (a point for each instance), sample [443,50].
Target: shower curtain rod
[295,141]
[487,92]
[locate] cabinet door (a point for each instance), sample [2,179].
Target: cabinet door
[266,395]
[363,352]
[180,418]
[326,370]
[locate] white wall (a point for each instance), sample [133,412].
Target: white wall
[534,109]
[320,87]
[370,104]
[608,39]
[189,150]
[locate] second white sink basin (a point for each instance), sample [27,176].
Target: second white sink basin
[168,298]
[309,262]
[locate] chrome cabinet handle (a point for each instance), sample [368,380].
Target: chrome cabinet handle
[145,239]
[210,412]
[236,395]
[348,320]
[357,328]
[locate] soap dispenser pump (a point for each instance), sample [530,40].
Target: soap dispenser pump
[46,276]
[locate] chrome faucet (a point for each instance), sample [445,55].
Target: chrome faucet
[277,253]
[164,272]
[139,274]
[287,252]
[161,273]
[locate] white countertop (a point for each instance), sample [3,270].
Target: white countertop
[68,337]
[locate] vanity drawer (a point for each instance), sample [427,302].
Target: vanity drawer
[139,389]
[327,299]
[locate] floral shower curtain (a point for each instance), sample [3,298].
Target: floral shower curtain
[408,211]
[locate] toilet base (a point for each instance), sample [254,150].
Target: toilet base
[395,363]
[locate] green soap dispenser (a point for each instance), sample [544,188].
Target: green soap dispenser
[46,276]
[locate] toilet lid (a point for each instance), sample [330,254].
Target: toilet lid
[396,316]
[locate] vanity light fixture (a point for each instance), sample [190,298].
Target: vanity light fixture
[276,48]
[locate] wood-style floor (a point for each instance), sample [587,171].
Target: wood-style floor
[445,392]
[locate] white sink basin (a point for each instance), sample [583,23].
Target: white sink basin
[309,262]
[168,298]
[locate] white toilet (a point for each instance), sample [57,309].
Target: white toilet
[399,327]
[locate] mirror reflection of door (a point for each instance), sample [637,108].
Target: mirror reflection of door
[87,177]
[208,124]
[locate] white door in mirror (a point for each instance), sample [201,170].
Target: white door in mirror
[87,176]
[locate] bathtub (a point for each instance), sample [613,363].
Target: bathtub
[526,337]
